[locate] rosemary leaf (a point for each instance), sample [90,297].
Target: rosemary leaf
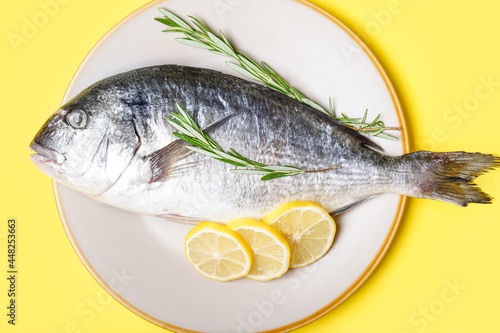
[364,116]
[249,64]
[249,172]
[175,19]
[204,151]
[283,168]
[199,24]
[217,52]
[188,139]
[314,105]
[195,43]
[275,175]
[386,136]
[241,70]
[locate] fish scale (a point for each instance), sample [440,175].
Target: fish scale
[125,154]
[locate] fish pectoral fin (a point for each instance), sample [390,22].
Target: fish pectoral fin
[165,161]
[350,205]
[179,218]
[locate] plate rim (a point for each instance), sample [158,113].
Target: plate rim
[339,299]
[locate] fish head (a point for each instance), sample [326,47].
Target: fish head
[88,142]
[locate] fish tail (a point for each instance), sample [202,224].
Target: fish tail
[450,176]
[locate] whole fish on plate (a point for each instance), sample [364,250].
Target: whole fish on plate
[112,143]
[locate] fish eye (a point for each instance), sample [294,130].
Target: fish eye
[77,118]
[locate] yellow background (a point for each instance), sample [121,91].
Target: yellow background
[435,53]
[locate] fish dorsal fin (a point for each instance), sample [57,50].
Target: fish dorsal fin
[363,140]
[165,161]
[360,138]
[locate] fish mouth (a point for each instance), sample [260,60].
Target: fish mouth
[45,155]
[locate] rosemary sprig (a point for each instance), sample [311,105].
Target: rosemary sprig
[200,36]
[375,128]
[201,143]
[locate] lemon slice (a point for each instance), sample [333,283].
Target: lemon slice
[307,227]
[271,252]
[218,252]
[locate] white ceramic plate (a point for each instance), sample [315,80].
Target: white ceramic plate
[140,260]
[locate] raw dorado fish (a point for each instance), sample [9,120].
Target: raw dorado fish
[112,143]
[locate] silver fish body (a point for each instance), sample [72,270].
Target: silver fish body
[112,142]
